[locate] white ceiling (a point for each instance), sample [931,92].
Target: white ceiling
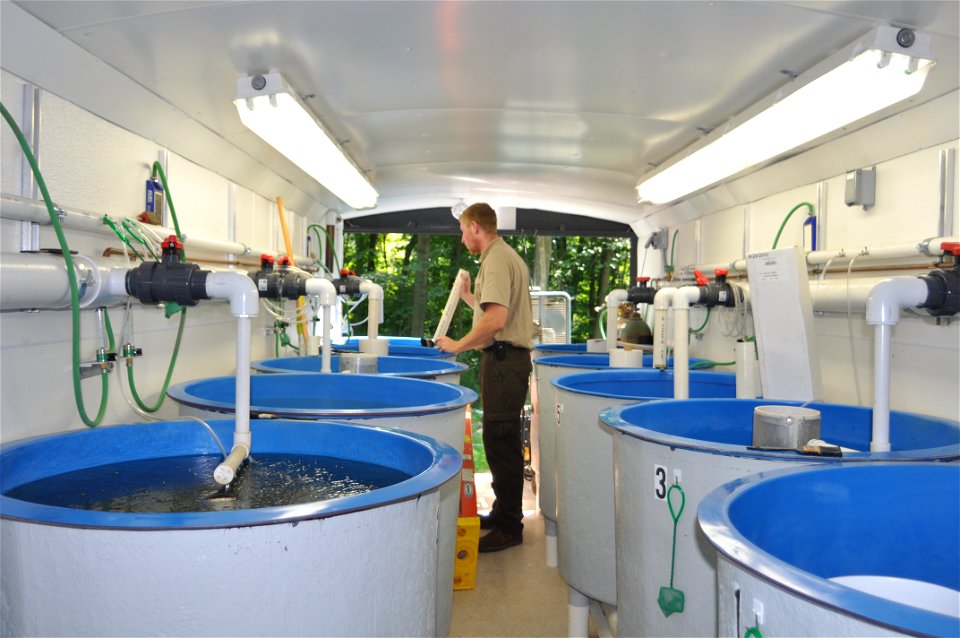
[553,105]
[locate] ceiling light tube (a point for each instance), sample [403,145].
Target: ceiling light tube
[882,68]
[271,109]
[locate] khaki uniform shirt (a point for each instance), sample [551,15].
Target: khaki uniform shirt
[504,279]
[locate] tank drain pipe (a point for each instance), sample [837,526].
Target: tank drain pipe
[681,349]
[661,309]
[614,298]
[939,292]
[326,294]
[244,305]
[373,344]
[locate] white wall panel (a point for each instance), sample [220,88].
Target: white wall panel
[200,197]
[11,93]
[722,236]
[90,164]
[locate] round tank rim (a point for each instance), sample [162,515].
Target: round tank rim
[571,361]
[397,349]
[465,397]
[611,418]
[445,366]
[445,465]
[641,374]
[714,521]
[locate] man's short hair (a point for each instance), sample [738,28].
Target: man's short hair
[483,214]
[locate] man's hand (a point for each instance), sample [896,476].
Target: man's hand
[446,344]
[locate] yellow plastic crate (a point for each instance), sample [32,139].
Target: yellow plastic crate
[465,562]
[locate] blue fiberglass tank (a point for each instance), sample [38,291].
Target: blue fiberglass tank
[850,550]
[707,442]
[546,368]
[584,454]
[352,565]
[423,407]
[432,369]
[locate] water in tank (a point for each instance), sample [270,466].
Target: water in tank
[432,369]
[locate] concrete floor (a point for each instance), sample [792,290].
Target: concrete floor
[516,594]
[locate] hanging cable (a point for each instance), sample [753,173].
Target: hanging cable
[71,278]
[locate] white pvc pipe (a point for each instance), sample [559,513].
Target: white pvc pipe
[746,370]
[681,349]
[550,538]
[244,299]
[614,297]
[661,308]
[578,614]
[372,344]
[883,311]
[32,210]
[926,247]
[326,294]
[600,620]
[39,281]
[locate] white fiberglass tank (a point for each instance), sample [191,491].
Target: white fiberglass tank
[423,407]
[849,550]
[121,531]
[668,455]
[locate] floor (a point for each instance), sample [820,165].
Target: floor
[516,593]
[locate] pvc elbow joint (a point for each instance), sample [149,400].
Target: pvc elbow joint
[323,289]
[239,289]
[890,295]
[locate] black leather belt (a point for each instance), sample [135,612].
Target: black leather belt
[499,348]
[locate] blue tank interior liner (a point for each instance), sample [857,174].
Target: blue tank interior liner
[725,426]
[561,348]
[395,349]
[396,341]
[306,395]
[640,384]
[428,462]
[800,526]
[598,361]
[386,366]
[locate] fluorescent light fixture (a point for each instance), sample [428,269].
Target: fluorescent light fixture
[271,109]
[884,67]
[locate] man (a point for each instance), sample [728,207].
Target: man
[502,330]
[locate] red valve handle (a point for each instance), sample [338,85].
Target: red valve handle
[701,278]
[284,261]
[643,280]
[721,272]
[267,258]
[171,242]
[951,247]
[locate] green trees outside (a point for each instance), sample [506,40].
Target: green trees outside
[416,272]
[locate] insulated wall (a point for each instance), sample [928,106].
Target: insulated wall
[908,207]
[93,166]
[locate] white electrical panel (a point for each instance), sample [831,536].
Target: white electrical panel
[783,320]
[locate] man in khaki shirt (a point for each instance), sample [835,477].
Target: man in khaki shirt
[502,329]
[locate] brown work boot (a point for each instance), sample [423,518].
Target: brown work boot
[498,539]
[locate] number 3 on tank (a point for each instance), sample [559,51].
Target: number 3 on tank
[660,482]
